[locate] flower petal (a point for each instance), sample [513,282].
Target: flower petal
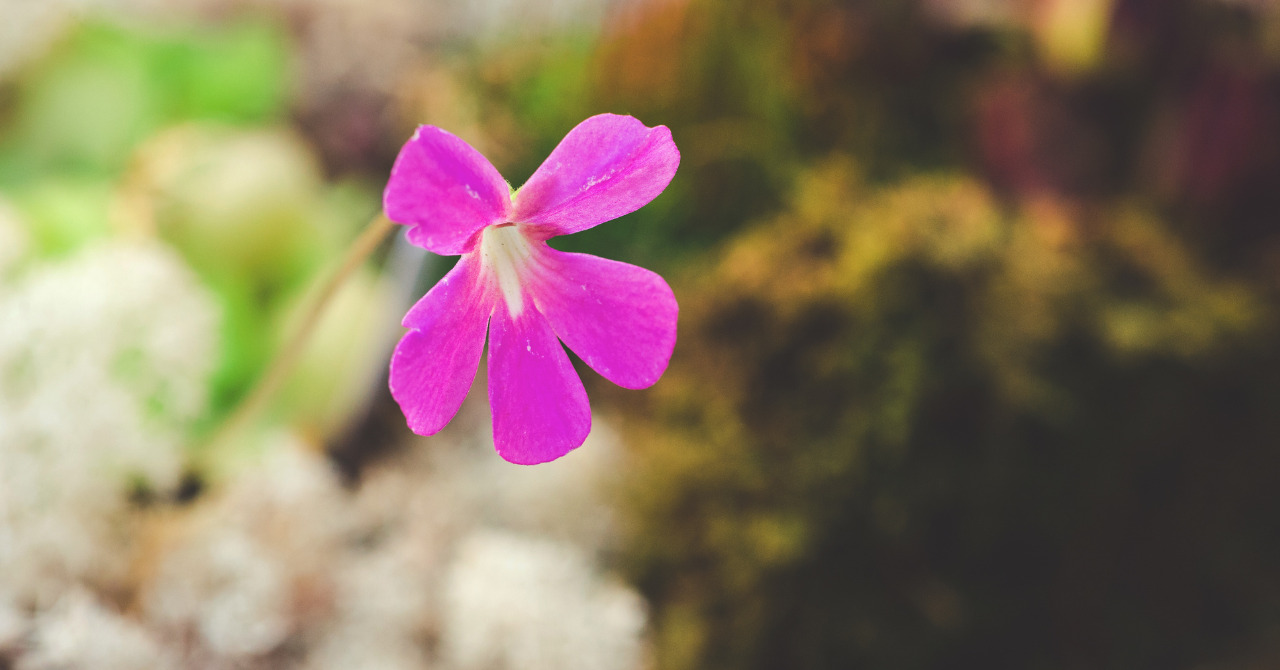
[436,361]
[607,166]
[540,409]
[445,191]
[619,318]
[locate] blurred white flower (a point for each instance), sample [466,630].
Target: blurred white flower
[230,590]
[104,359]
[13,627]
[79,633]
[103,362]
[381,616]
[243,569]
[534,604]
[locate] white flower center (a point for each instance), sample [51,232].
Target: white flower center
[505,252]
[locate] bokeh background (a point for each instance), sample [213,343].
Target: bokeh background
[977,363]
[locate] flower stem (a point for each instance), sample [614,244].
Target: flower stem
[282,365]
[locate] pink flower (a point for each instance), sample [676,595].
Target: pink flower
[619,318]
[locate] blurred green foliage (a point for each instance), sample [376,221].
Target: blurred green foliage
[86,106]
[176,132]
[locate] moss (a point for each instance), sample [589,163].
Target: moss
[896,416]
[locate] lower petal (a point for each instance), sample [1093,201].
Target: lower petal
[619,318]
[436,361]
[540,409]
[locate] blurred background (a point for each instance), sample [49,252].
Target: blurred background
[977,363]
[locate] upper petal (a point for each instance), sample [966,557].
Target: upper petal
[607,166]
[540,409]
[436,361]
[445,190]
[619,318]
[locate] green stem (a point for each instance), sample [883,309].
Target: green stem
[269,383]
